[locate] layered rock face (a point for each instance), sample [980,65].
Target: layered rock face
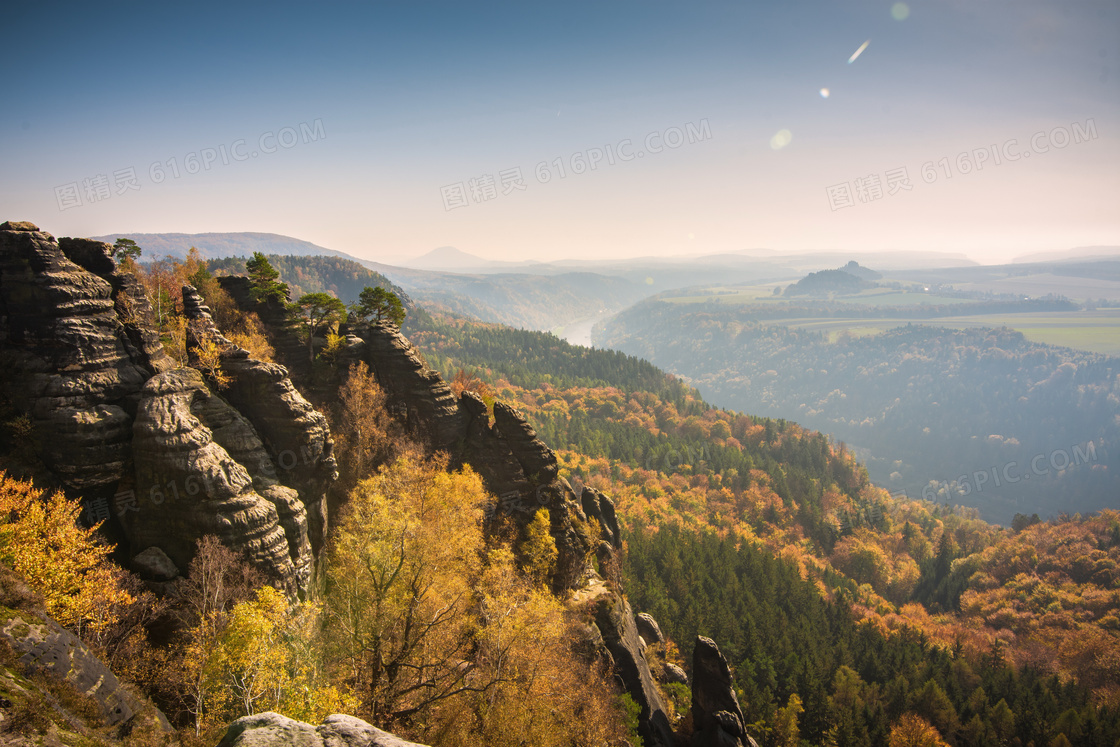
[295,434]
[77,345]
[201,469]
[150,447]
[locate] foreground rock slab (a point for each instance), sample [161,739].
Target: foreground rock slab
[273,730]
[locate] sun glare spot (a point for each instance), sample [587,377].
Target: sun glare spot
[781,139]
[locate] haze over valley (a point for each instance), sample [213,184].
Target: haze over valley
[629,374]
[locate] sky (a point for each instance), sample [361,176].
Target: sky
[545,131]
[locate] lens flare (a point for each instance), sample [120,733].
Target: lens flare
[858,52]
[825,93]
[781,139]
[900,11]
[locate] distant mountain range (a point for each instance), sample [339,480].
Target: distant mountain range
[559,294]
[222,245]
[1079,252]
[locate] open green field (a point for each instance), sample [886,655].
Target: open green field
[1094,331]
[765,294]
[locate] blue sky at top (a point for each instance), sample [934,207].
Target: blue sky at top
[414,97]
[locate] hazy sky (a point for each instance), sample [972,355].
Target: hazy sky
[389,129]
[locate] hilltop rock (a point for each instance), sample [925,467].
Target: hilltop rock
[273,730]
[717,719]
[18,225]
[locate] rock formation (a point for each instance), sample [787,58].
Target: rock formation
[717,719]
[648,628]
[150,447]
[516,466]
[76,345]
[273,730]
[41,645]
[615,621]
[294,433]
[201,469]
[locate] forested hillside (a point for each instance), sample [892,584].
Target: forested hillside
[980,417]
[822,586]
[342,278]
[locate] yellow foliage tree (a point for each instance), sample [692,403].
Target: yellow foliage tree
[442,641]
[786,732]
[254,665]
[365,435]
[532,685]
[911,730]
[538,548]
[398,587]
[40,539]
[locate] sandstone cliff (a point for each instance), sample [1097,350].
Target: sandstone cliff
[151,448]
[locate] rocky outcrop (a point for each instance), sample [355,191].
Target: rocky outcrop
[201,469]
[538,462]
[43,645]
[517,467]
[601,508]
[273,730]
[615,621]
[295,434]
[77,345]
[717,719]
[418,395]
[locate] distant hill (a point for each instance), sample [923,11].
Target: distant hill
[450,259]
[841,281]
[221,245]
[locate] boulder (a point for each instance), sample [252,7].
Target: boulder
[273,730]
[649,629]
[671,673]
[154,565]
